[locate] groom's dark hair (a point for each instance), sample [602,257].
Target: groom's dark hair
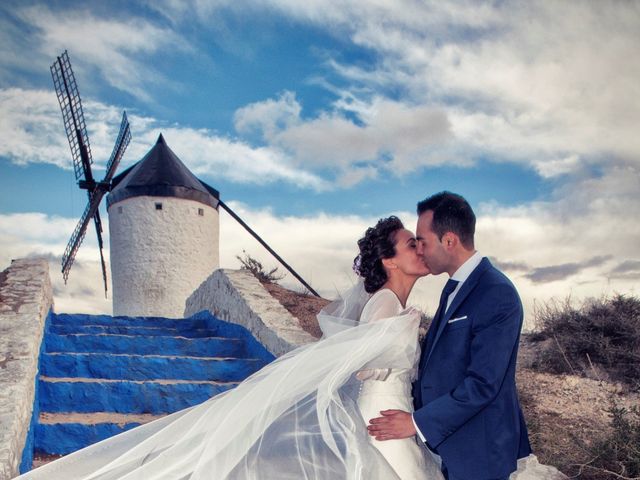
[451,213]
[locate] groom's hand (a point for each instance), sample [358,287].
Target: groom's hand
[393,425]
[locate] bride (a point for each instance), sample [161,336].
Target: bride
[304,415]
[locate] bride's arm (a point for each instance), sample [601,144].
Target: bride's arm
[380,306]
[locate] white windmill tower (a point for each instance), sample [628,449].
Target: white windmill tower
[164,235]
[163,221]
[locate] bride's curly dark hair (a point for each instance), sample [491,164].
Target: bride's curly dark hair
[378,243]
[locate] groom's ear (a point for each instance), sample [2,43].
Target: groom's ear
[450,240]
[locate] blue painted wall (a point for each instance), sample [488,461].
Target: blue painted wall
[26,461]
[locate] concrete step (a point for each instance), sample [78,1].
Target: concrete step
[60,434]
[79,320]
[202,324]
[86,395]
[147,367]
[117,343]
[62,329]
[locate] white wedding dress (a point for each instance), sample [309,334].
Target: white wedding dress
[303,416]
[386,389]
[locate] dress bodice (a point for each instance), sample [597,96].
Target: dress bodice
[383,304]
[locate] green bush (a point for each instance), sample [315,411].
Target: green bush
[600,339]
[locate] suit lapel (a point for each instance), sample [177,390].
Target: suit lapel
[465,289]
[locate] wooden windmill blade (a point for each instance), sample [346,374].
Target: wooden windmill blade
[98,223]
[75,126]
[78,235]
[122,142]
[124,137]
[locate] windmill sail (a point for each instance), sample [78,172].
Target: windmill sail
[79,233]
[124,137]
[75,127]
[66,87]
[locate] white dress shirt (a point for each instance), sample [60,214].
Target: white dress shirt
[463,273]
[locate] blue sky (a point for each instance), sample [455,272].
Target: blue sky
[315,118]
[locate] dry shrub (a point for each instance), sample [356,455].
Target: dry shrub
[617,453]
[247,262]
[601,339]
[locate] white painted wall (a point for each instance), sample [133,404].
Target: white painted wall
[159,257]
[238,297]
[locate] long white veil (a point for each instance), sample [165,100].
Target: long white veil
[296,418]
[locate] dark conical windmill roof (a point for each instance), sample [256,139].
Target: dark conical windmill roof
[161,174]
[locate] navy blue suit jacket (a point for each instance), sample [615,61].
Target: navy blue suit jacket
[466,403]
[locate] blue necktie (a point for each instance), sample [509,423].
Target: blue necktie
[448,289]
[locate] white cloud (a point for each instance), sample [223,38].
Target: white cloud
[355,175]
[112,46]
[31,131]
[386,135]
[586,232]
[527,82]
[268,116]
[553,168]
[12,45]
[206,153]
[544,84]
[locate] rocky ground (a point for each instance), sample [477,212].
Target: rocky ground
[564,413]
[302,306]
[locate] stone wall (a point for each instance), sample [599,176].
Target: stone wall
[26,299]
[238,297]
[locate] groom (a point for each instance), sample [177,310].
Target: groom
[466,403]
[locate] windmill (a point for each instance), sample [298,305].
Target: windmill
[74,124]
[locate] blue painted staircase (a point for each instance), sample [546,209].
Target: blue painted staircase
[102,375]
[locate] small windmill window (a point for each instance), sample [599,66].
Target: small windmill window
[201,212]
[158,206]
[119,209]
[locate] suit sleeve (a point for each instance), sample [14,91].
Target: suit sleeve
[494,335]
